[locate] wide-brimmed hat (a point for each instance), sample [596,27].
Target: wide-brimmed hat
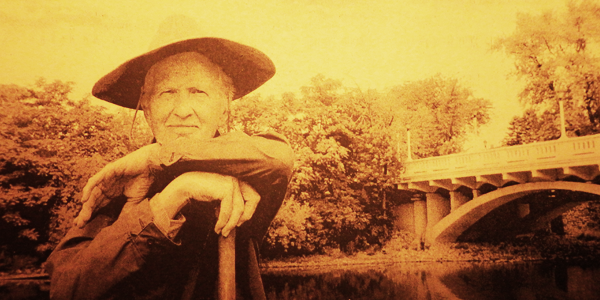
[247,67]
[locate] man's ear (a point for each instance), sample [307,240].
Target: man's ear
[147,111]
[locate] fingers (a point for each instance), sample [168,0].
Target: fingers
[89,207]
[91,193]
[238,208]
[84,216]
[232,208]
[224,212]
[251,198]
[91,185]
[107,176]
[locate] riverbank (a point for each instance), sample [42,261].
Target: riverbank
[398,250]
[529,248]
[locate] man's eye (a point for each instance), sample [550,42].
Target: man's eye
[168,92]
[196,91]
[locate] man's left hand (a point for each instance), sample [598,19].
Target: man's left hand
[238,199]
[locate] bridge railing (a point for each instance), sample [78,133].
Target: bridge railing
[513,158]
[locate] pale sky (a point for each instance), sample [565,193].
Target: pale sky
[366,44]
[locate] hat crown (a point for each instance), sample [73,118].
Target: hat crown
[175,28]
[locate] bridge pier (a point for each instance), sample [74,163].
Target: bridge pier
[420,221]
[437,208]
[457,199]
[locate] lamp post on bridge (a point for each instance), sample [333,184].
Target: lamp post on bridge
[563,131]
[409,154]
[561,91]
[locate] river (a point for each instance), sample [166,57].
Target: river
[539,280]
[439,281]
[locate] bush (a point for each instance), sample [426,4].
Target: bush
[50,146]
[296,230]
[583,220]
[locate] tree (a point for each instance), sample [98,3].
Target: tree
[439,113]
[557,55]
[532,128]
[49,147]
[344,156]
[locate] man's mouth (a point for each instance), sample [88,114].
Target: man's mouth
[182,126]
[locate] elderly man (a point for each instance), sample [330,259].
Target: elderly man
[150,220]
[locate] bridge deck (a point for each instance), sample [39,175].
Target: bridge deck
[557,154]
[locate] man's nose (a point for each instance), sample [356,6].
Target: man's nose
[183,105]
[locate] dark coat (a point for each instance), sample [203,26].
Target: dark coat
[121,254]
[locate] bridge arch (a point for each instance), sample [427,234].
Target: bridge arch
[454,224]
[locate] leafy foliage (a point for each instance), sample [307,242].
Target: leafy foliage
[557,55]
[584,220]
[439,113]
[344,158]
[50,145]
[532,128]
[342,138]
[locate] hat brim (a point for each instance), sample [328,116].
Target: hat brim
[247,67]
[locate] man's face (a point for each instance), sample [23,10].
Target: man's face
[184,97]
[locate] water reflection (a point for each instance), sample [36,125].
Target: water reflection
[430,281]
[439,281]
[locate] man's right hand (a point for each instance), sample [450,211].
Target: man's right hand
[238,199]
[131,176]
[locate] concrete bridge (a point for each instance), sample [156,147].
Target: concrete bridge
[518,189]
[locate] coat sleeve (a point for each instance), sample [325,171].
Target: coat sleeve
[265,161]
[261,159]
[90,262]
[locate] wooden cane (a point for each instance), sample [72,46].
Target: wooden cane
[227,267]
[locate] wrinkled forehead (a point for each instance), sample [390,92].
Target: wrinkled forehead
[187,64]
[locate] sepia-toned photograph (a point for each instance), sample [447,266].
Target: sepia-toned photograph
[296,149]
